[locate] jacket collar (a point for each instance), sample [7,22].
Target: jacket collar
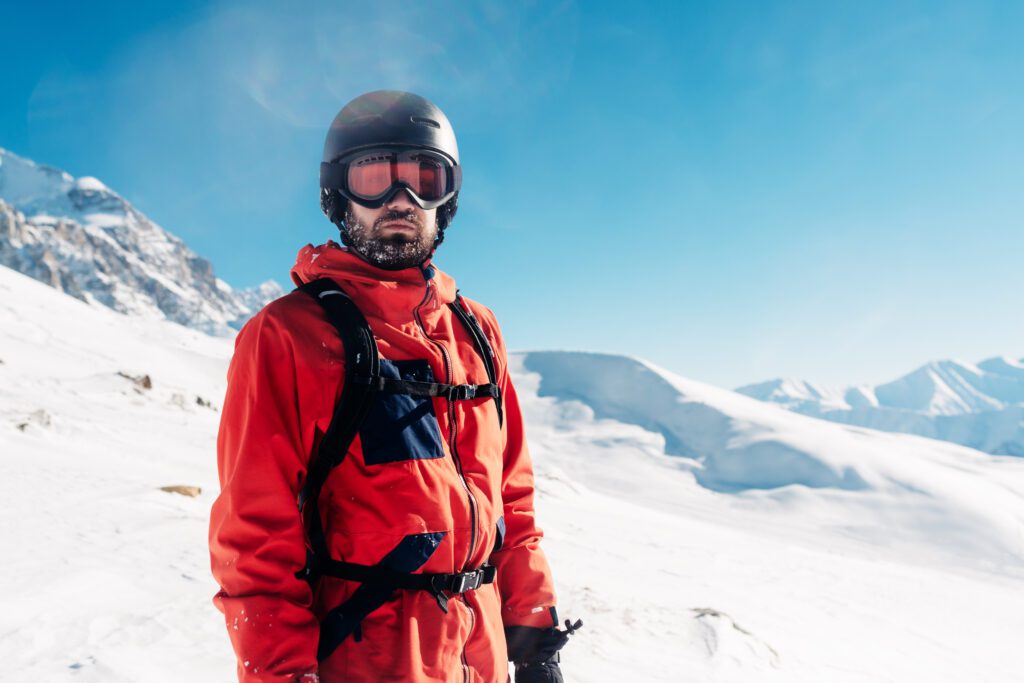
[388,294]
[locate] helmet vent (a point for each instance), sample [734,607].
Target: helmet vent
[426,122]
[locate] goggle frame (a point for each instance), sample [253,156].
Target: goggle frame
[335,175]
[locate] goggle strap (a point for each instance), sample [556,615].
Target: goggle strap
[332,175]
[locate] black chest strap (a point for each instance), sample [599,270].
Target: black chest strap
[452,392]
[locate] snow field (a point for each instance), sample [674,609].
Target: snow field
[682,569]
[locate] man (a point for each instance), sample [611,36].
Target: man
[415,555]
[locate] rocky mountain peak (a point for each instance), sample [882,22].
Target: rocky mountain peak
[80,236]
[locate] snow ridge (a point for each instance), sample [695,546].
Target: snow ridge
[977,405]
[82,238]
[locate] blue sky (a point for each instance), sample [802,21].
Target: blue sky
[734,191]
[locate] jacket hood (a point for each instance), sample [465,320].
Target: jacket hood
[389,294]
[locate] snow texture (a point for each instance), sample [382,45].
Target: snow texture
[981,406]
[701,535]
[86,240]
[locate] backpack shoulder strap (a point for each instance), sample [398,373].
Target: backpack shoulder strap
[483,345]
[362,365]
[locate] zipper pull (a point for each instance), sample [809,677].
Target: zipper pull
[432,304]
[428,278]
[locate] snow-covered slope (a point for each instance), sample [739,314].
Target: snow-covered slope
[700,534]
[83,238]
[981,406]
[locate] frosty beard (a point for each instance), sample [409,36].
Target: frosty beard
[398,250]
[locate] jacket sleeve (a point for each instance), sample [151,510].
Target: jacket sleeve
[257,540]
[524,577]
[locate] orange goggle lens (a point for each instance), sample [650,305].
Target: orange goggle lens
[372,175]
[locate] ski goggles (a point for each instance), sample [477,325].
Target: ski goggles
[372,177]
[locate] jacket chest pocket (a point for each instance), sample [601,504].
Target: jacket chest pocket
[398,427]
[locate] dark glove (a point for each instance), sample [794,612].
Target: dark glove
[545,672]
[535,651]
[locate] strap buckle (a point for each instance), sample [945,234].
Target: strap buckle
[466,581]
[469,581]
[463,392]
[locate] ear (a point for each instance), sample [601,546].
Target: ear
[333,205]
[446,212]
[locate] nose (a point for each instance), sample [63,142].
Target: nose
[401,200]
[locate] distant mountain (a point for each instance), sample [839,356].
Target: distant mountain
[981,406]
[84,239]
[729,442]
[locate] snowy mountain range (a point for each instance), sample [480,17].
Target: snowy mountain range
[701,535]
[980,406]
[81,237]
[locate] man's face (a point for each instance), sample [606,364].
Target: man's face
[397,235]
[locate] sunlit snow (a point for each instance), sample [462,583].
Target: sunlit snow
[700,534]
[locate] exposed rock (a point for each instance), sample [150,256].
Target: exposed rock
[38,418]
[140,381]
[87,241]
[180,489]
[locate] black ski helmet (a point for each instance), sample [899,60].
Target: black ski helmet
[387,118]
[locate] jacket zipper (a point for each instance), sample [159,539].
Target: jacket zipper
[453,434]
[454,431]
[472,624]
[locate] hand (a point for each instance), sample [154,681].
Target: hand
[529,645]
[535,651]
[545,672]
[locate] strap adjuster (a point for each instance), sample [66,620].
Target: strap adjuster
[466,581]
[469,581]
[463,392]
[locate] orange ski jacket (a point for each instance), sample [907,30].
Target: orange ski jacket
[442,485]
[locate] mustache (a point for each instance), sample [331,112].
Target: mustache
[400,216]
